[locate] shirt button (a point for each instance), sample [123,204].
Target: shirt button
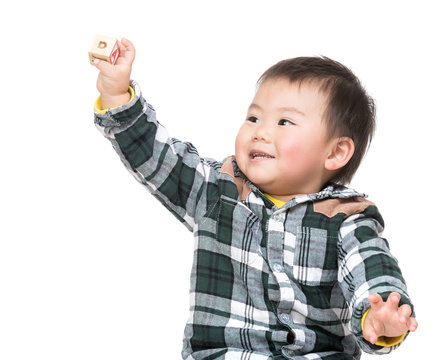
[277,267]
[284,318]
[290,337]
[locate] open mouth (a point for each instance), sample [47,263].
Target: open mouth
[260,155]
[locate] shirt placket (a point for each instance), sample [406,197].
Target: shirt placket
[275,233]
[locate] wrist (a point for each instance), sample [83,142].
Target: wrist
[113,101]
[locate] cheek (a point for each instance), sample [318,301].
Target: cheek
[290,148]
[298,152]
[240,142]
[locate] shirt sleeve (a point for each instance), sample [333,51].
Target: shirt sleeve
[170,169]
[366,266]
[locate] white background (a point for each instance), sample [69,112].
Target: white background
[90,263]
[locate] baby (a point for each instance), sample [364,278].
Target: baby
[288,262]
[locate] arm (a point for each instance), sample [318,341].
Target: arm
[366,267]
[170,169]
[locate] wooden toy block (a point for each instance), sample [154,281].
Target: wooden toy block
[104,48]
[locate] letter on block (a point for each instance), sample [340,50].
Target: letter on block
[104,48]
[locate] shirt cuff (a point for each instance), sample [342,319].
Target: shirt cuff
[98,103]
[383,340]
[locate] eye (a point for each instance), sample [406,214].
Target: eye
[284,122]
[252,119]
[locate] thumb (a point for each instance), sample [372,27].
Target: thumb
[370,335]
[103,66]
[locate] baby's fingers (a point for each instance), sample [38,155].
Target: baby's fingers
[393,301]
[103,66]
[405,313]
[412,324]
[128,52]
[376,301]
[406,319]
[370,335]
[128,45]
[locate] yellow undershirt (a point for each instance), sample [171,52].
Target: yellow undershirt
[383,340]
[277,202]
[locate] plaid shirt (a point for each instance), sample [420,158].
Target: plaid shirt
[266,282]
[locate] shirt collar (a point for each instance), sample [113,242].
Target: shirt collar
[330,191]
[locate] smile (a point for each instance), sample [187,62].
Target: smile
[260,155]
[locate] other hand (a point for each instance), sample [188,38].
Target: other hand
[386,318]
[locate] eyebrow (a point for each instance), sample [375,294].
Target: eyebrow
[283,108]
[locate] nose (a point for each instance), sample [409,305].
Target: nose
[261,133]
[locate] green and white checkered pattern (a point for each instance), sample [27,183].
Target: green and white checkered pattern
[266,282]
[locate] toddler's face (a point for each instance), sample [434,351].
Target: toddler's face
[283,144]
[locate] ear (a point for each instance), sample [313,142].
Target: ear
[341,152]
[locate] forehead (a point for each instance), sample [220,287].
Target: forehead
[307,97]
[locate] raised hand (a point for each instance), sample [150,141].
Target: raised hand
[113,80]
